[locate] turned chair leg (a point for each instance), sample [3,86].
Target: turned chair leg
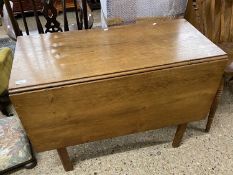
[230,82]
[179,135]
[65,159]
[214,106]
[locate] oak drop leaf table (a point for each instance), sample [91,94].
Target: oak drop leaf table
[75,87]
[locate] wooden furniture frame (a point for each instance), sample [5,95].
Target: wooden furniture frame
[27,6]
[214,18]
[94,4]
[50,14]
[27,164]
[70,91]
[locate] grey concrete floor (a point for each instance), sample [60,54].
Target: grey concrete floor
[151,152]
[3,32]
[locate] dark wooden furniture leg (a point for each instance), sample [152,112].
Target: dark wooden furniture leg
[179,135]
[65,159]
[4,102]
[85,16]
[214,106]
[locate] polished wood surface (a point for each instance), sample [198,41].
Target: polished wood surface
[79,56]
[128,79]
[75,114]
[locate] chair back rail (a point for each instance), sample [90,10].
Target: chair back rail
[50,14]
[24,18]
[38,23]
[214,18]
[84,6]
[15,24]
[77,16]
[66,25]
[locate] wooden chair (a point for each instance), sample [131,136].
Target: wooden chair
[94,4]
[214,18]
[50,14]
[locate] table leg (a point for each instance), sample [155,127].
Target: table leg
[214,106]
[179,135]
[64,156]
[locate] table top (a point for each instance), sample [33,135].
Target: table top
[51,60]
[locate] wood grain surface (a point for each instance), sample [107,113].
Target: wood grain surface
[74,87]
[226,20]
[217,21]
[75,114]
[43,60]
[214,18]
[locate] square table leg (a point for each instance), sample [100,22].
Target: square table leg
[179,135]
[214,106]
[65,159]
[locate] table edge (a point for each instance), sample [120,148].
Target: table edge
[113,75]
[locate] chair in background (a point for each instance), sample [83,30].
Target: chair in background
[94,4]
[83,17]
[15,151]
[214,18]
